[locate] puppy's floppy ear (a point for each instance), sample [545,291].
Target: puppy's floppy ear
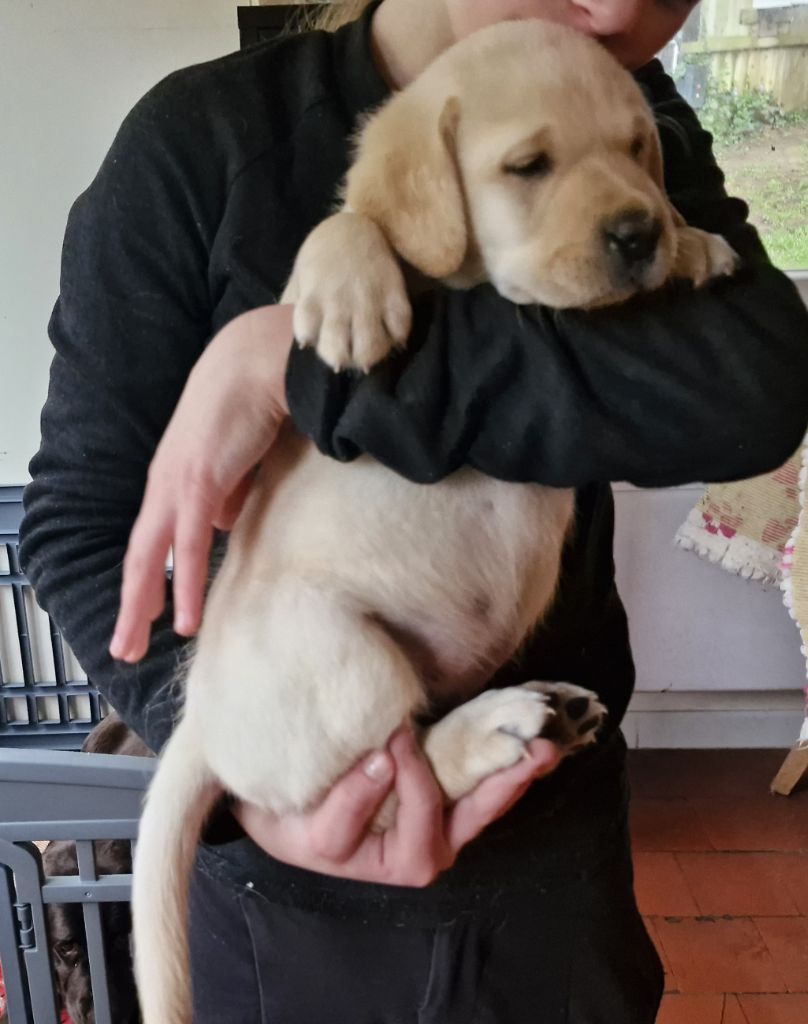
[405,178]
[656,169]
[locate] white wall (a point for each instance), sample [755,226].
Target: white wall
[69,72]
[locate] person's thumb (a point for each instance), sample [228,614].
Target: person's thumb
[233,504]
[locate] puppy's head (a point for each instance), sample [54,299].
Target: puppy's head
[527,156]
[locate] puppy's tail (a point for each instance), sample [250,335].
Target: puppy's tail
[180,798]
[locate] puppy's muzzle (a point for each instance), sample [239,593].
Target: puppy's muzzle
[631,240]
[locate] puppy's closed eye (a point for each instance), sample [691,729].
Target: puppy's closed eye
[536,166]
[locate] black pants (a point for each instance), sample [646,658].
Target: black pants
[572,950]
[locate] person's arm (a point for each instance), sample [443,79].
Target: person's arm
[677,386]
[132,318]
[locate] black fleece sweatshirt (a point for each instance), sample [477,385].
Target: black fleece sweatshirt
[195,216]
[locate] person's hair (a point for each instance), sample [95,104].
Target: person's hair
[332,16]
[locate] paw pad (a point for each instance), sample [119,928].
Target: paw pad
[578,714]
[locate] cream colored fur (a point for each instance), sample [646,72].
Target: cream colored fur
[350,596]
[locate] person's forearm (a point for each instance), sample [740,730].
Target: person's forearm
[680,386]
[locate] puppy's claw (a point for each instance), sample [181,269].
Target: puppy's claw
[335,343]
[398,323]
[722,257]
[307,322]
[701,256]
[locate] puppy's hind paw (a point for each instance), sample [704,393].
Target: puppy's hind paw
[484,736]
[578,714]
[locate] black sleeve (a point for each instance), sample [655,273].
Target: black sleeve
[132,317]
[678,386]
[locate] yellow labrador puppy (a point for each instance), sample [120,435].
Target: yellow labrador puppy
[349,596]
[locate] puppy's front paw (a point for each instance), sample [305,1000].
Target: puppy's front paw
[578,714]
[701,256]
[350,298]
[485,735]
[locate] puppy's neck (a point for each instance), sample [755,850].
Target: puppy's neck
[471,273]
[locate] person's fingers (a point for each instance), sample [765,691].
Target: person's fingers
[339,825]
[143,586]
[192,544]
[546,755]
[499,792]
[415,843]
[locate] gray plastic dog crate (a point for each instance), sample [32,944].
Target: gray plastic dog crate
[50,795]
[49,792]
[45,700]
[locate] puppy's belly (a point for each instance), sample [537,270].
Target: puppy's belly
[457,572]
[442,660]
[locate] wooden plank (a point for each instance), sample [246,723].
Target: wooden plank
[793,770]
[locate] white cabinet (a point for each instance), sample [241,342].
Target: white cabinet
[693,625]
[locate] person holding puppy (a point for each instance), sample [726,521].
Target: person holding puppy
[515,904]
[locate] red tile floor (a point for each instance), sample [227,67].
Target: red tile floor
[721,873]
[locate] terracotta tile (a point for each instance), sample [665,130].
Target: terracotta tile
[677,1009]
[671,984]
[661,887]
[660,774]
[793,868]
[758,823]
[666,825]
[740,884]
[787,941]
[774,1009]
[668,774]
[710,955]
[733,1014]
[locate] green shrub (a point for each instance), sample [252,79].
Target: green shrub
[734,116]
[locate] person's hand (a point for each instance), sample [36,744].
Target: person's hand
[335,838]
[225,422]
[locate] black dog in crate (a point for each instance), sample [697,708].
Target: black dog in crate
[68,942]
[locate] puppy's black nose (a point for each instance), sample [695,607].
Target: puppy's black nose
[632,237]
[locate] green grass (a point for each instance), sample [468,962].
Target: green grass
[777,193]
[788,250]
